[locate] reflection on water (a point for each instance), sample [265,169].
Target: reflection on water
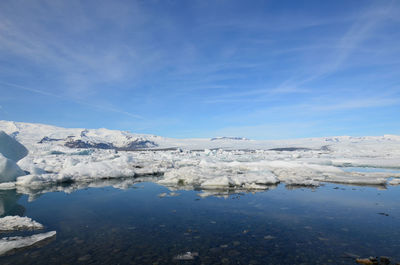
[149,224]
[8,203]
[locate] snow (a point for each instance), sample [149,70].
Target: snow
[207,164]
[11,223]
[8,244]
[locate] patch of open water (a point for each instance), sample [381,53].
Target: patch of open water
[330,224]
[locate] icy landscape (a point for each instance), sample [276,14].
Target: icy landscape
[199,132]
[36,159]
[36,155]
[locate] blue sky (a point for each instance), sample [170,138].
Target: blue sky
[257,69]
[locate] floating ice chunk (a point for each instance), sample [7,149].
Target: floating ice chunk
[218,182]
[8,244]
[186,256]
[258,177]
[11,148]
[358,179]
[210,174]
[395,181]
[9,170]
[302,182]
[41,180]
[171,194]
[11,223]
[7,186]
[111,168]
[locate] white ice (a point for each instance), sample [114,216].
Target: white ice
[9,170]
[11,223]
[208,164]
[10,152]
[8,244]
[10,148]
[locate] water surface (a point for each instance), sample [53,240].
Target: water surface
[145,225]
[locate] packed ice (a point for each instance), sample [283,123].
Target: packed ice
[58,155]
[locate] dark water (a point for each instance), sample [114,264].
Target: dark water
[329,225]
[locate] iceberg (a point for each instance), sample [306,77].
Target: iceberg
[9,170]
[10,148]
[11,151]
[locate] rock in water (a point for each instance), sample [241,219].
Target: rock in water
[384,260]
[10,148]
[368,261]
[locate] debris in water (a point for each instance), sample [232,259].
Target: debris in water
[186,256]
[269,237]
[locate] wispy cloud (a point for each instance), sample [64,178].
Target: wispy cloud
[358,103]
[256,95]
[74,47]
[80,102]
[200,63]
[363,27]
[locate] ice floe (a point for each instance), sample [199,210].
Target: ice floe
[8,244]
[11,223]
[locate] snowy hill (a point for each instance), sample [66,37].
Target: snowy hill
[59,155]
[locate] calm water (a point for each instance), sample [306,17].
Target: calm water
[331,224]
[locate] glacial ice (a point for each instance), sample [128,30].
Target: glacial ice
[9,170]
[223,163]
[10,152]
[11,148]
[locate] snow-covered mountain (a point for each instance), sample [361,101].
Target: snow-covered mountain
[84,155]
[33,135]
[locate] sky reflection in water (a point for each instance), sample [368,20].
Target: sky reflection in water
[329,224]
